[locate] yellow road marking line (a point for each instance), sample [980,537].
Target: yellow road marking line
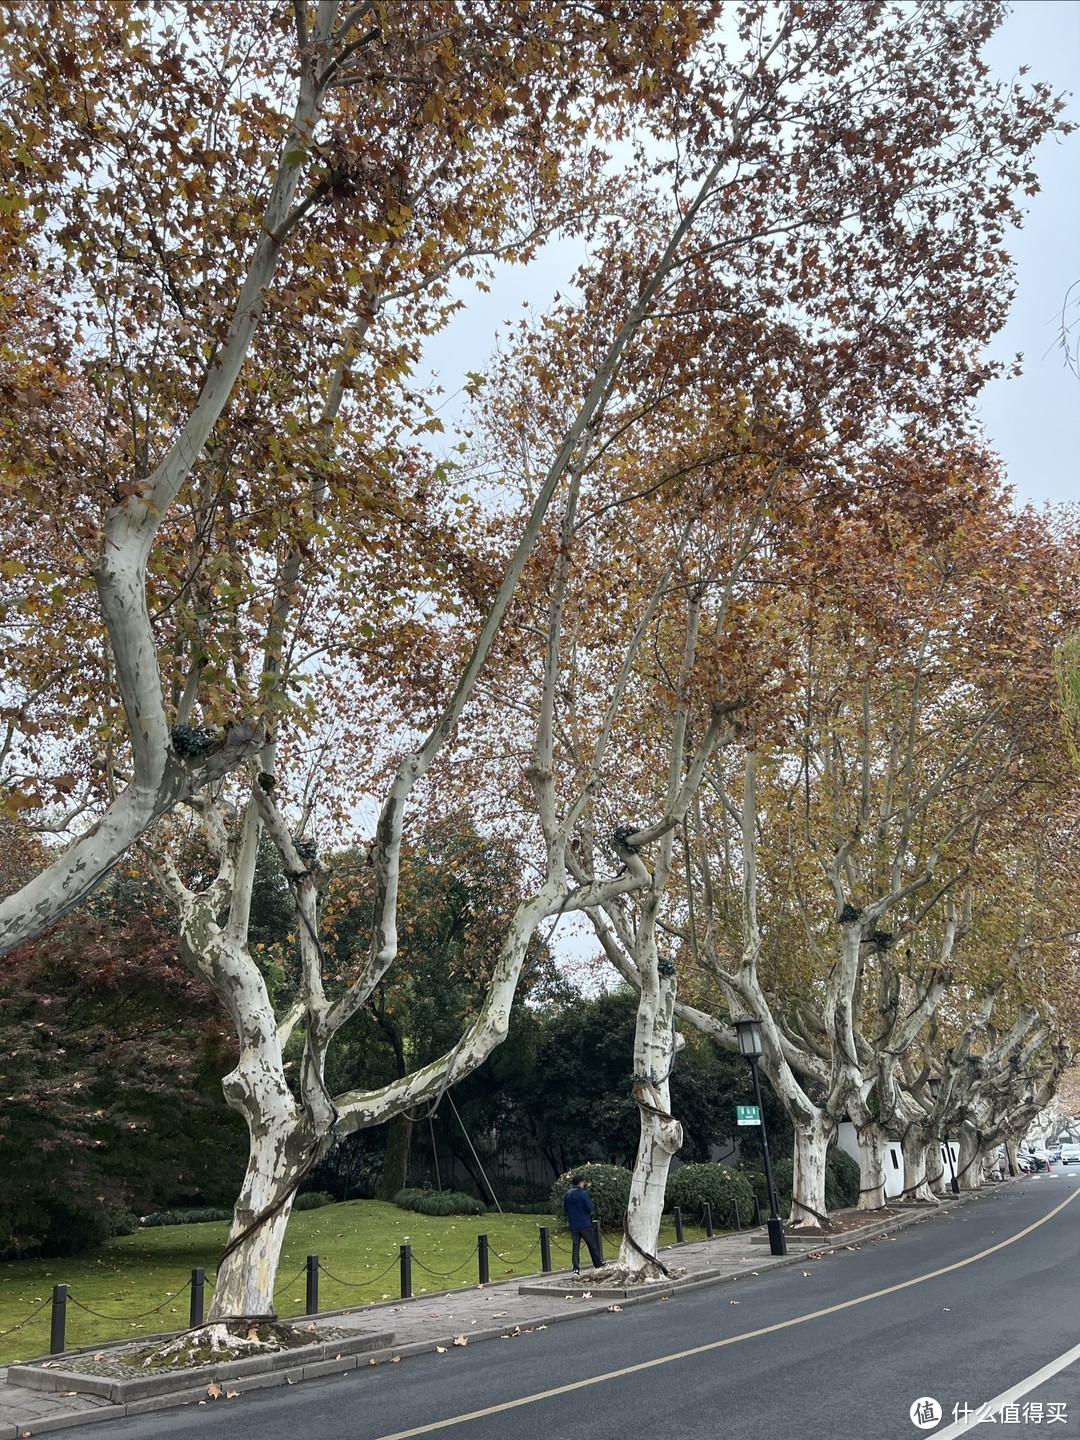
[500,1409]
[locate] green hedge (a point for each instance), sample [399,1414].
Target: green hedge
[439,1202]
[609,1186]
[312,1200]
[198,1216]
[692,1186]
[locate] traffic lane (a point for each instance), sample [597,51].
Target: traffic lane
[380,1400]
[849,1375]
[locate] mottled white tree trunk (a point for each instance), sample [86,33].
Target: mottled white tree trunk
[808,1208]
[872,1152]
[660,1134]
[969,1170]
[913,1144]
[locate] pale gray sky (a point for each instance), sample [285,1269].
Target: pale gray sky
[1034,421]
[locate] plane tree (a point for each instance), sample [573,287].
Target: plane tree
[837,885]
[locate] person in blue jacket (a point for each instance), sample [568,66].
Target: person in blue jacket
[577,1204]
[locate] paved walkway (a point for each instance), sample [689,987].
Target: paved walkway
[418,1325]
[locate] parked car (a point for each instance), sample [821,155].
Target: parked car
[1070,1154]
[1032,1160]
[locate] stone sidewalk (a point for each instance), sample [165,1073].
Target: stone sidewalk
[83,1386]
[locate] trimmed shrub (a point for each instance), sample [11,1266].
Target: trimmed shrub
[841,1180]
[783,1173]
[692,1186]
[439,1202]
[609,1186]
[312,1200]
[756,1180]
[201,1216]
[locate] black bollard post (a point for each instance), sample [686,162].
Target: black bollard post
[757,1211]
[57,1342]
[706,1219]
[545,1250]
[198,1297]
[312,1298]
[406,1271]
[482,1253]
[734,1218]
[598,1236]
[676,1215]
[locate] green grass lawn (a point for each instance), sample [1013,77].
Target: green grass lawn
[137,1283]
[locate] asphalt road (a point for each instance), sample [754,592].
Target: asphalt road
[959,1309]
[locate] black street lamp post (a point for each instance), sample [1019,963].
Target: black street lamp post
[749,1033]
[935,1089]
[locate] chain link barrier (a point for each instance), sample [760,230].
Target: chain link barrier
[283,1285]
[359,1284]
[507,1261]
[29,1319]
[445,1274]
[287,1284]
[98,1315]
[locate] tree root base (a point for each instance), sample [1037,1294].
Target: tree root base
[224,1340]
[622,1277]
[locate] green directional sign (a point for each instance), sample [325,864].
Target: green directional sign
[747,1114]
